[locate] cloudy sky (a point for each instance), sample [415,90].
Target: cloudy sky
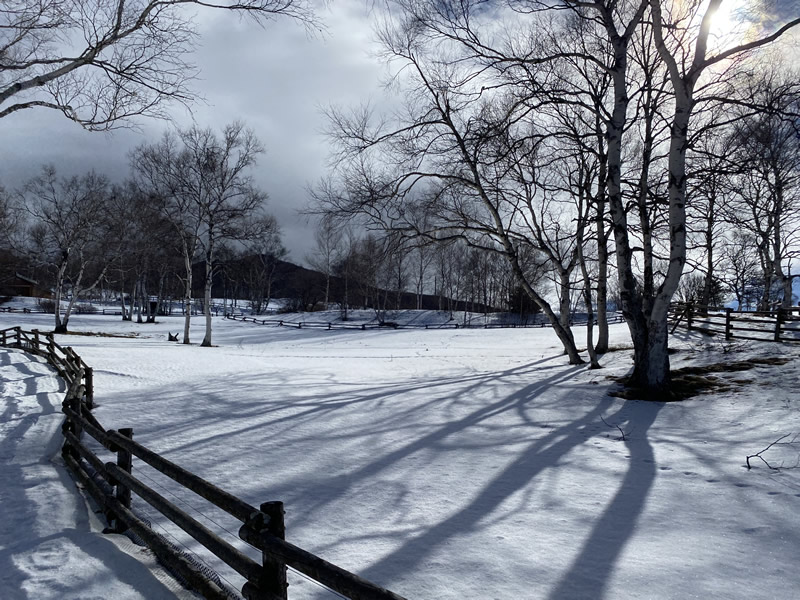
[276,79]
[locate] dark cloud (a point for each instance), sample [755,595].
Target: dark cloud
[274,78]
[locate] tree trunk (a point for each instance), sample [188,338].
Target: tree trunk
[651,360]
[564,300]
[159,298]
[187,299]
[139,299]
[59,326]
[207,296]
[602,295]
[123,306]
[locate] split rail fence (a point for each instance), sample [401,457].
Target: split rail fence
[780,325]
[391,325]
[263,527]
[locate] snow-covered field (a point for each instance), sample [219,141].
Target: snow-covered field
[461,464]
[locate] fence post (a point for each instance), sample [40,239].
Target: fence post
[88,376]
[5,343]
[73,426]
[779,317]
[36,340]
[689,314]
[123,494]
[728,324]
[273,580]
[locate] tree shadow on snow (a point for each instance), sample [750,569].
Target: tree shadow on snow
[531,447]
[589,574]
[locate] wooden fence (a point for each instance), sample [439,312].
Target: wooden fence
[262,527]
[780,325]
[615,318]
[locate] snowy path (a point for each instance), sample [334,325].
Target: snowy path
[49,546]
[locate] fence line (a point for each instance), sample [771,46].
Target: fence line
[330,325]
[780,325]
[263,527]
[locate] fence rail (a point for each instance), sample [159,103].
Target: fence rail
[330,325]
[263,527]
[780,325]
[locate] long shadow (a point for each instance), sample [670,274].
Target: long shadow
[589,574]
[540,455]
[339,485]
[323,405]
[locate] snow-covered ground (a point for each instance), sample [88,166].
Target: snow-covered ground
[454,464]
[51,547]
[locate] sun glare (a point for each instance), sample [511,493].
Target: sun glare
[729,23]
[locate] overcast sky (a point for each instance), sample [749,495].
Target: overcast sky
[276,79]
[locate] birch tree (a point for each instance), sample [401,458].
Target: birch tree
[73,235]
[203,185]
[767,192]
[158,170]
[327,252]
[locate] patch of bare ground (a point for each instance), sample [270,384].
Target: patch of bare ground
[101,334]
[693,381]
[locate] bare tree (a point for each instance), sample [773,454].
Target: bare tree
[767,192]
[327,251]
[216,178]
[158,171]
[204,188]
[461,159]
[739,266]
[264,251]
[73,234]
[476,92]
[101,62]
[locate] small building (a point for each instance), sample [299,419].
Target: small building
[19,285]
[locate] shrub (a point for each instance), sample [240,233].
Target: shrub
[46,305]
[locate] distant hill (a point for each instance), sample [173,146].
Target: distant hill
[305,288]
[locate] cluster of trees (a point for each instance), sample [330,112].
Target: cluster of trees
[387,271]
[553,131]
[188,196]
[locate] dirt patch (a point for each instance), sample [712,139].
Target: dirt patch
[693,381]
[101,334]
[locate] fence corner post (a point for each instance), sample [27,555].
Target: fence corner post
[274,578]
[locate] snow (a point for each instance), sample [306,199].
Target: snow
[442,464]
[50,545]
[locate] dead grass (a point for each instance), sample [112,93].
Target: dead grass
[688,382]
[101,334]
